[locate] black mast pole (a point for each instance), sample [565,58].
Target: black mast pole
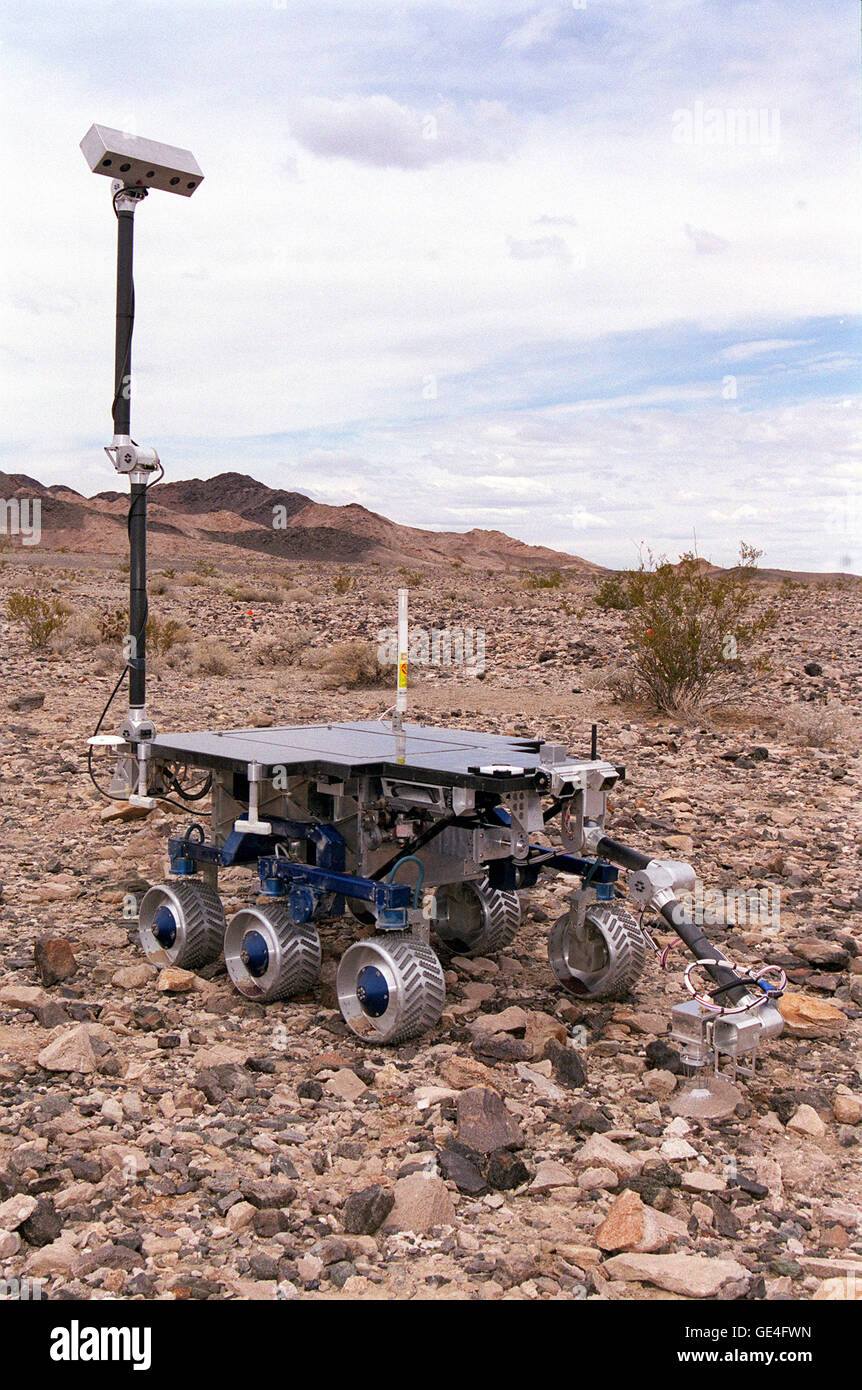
[122,428]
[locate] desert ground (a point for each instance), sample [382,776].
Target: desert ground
[184,1143]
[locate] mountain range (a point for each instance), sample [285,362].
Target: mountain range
[232,513]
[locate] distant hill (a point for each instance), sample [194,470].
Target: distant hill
[234,512]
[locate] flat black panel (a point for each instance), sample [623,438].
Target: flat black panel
[444,756]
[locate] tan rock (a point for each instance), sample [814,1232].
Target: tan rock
[631,1225]
[121,810]
[604,1178]
[838,1288]
[807,1121]
[693,1276]
[675,1150]
[57,1258]
[541,1028]
[511,1020]
[69,1049]
[623,1227]
[846,1107]
[464,1072]
[10,1244]
[240,1215]
[173,980]
[599,1152]
[133,976]
[23,996]
[660,1084]
[15,1210]
[421,1202]
[551,1174]
[703,1182]
[345,1085]
[808,1017]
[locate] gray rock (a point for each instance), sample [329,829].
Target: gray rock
[43,1225]
[484,1123]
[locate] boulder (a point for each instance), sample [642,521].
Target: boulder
[69,1049]
[692,1276]
[484,1123]
[422,1201]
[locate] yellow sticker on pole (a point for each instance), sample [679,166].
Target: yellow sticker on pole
[402,673]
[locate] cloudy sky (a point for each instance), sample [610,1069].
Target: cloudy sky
[584,272]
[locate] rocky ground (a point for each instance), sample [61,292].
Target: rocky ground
[161,1137]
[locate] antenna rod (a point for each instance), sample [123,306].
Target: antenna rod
[401,667]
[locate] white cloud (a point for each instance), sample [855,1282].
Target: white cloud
[705,243]
[336,259]
[379,131]
[741,352]
[539,28]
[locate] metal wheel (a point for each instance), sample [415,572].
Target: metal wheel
[268,956]
[181,923]
[390,988]
[603,956]
[474,919]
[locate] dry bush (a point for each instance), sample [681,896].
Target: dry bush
[821,726]
[42,617]
[611,678]
[211,657]
[165,633]
[113,625]
[103,660]
[686,628]
[280,650]
[79,633]
[192,579]
[299,595]
[352,663]
[250,593]
[548,579]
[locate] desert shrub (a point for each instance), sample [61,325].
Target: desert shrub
[352,663]
[821,726]
[169,573]
[248,593]
[280,650]
[113,625]
[552,579]
[205,568]
[686,627]
[412,578]
[612,594]
[42,617]
[613,678]
[80,632]
[190,579]
[571,609]
[162,634]
[210,657]
[104,659]
[299,595]
[343,583]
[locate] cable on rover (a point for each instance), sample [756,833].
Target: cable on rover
[420,879]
